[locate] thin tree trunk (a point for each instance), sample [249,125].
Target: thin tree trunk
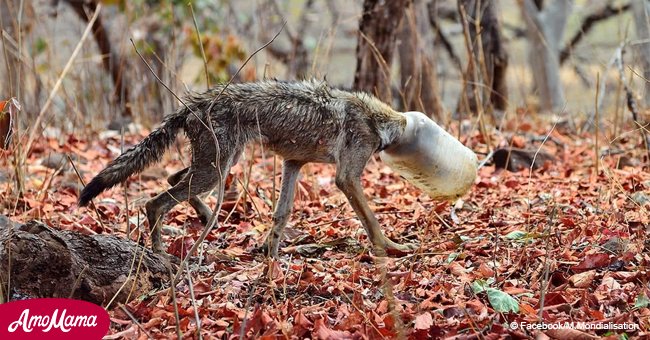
[375,45]
[418,79]
[16,22]
[546,24]
[112,62]
[11,86]
[490,57]
[641,10]
[497,58]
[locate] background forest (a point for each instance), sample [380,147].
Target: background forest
[552,94]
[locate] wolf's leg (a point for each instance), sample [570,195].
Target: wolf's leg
[290,171]
[350,166]
[201,177]
[202,210]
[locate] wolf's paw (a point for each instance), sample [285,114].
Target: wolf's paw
[172,231]
[393,248]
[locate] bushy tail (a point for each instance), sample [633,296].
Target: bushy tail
[138,158]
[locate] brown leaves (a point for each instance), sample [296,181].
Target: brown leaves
[583,280]
[592,261]
[423,321]
[589,231]
[322,332]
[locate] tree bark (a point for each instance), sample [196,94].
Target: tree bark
[490,57]
[112,62]
[641,10]
[375,45]
[12,74]
[437,11]
[44,262]
[419,83]
[296,56]
[546,23]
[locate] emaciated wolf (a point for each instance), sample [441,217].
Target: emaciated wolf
[305,121]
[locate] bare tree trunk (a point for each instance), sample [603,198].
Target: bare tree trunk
[16,22]
[295,57]
[490,57]
[419,83]
[112,62]
[11,81]
[588,23]
[375,46]
[546,23]
[641,10]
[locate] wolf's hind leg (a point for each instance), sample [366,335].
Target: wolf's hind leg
[202,209]
[200,178]
[290,171]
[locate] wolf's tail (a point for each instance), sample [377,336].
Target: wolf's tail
[137,158]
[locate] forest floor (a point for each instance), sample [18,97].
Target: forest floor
[563,241]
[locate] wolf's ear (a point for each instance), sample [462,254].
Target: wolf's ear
[431,159]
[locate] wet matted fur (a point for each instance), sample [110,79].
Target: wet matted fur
[305,121]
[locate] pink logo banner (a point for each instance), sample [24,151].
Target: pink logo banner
[52,318]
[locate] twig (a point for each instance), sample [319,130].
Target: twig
[542,286]
[135,321]
[473,72]
[593,18]
[126,196]
[530,173]
[596,151]
[76,281]
[172,291]
[92,204]
[108,305]
[488,157]
[165,85]
[137,269]
[190,285]
[249,300]
[631,102]
[472,323]
[198,36]
[59,81]
[385,68]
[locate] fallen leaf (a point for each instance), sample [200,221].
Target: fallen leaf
[592,261]
[583,280]
[423,321]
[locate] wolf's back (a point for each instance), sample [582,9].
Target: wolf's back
[138,158]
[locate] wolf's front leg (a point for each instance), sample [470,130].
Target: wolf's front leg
[348,180]
[290,172]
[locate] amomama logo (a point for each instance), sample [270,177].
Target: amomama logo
[52,319]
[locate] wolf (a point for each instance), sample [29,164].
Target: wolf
[303,121]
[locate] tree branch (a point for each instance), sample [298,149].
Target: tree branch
[440,35]
[587,24]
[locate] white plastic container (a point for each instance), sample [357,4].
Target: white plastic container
[432,159]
